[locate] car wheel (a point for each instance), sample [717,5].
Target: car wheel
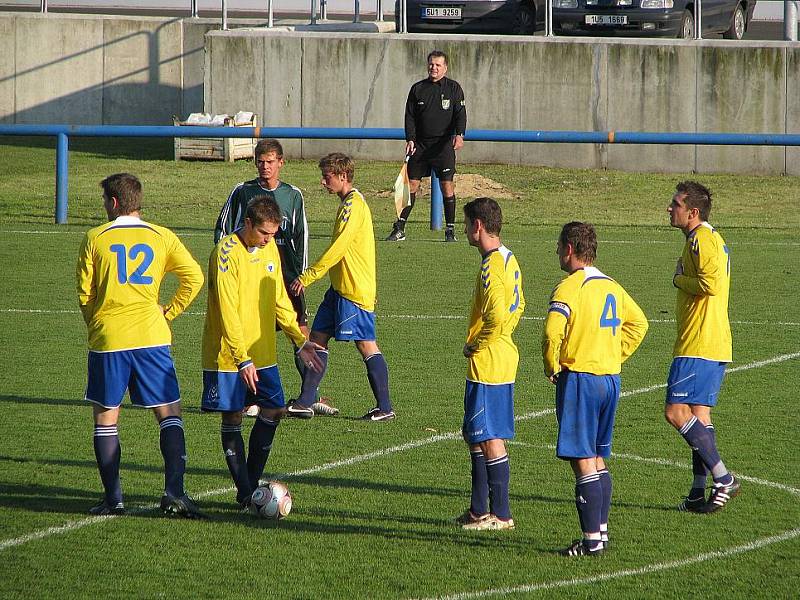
[738,25]
[525,20]
[686,31]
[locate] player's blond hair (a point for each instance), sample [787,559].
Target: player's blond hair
[338,164]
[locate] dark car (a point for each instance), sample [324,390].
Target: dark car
[640,18]
[518,17]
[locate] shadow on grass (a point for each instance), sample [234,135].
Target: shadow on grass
[125,466]
[126,405]
[101,147]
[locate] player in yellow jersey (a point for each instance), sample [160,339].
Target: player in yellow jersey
[246,297]
[492,360]
[592,327]
[703,347]
[347,311]
[120,269]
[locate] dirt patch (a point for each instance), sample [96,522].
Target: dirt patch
[468,185]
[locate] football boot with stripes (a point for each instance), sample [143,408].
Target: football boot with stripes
[180,507]
[489,523]
[468,517]
[695,505]
[104,508]
[721,495]
[581,548]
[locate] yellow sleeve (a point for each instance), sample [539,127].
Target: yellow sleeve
[284,311]
[634,328]
[227,292]
[553,335]
[87,289]
[344,230]
[493,310]
[190,278]
[709,279]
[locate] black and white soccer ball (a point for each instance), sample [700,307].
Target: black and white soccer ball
[271,501]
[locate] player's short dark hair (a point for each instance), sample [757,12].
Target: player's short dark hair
[266,146]
[696,195]
[127,189]
[437,54]
[488,211]
[263,209]
[583,238]
[338,164]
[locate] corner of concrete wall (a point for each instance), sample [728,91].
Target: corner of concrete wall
[793,107]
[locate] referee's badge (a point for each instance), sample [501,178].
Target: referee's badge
[445,103]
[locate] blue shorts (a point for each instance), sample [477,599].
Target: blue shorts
[488,412]
[585,409]
[147,373]
[224,391]
[694,381]
[343,320]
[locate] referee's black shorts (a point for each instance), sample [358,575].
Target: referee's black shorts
[439,157]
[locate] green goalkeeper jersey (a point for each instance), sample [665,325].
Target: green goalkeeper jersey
[292,239]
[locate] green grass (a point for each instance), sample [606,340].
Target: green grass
[378,526]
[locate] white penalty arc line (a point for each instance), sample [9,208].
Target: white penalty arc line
[44,311]
[73,525]
[647,570]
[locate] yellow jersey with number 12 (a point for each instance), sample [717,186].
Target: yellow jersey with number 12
[120,268]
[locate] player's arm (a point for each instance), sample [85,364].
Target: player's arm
[710,270]
[227,293]
[634,327]
[225,221]
[493,310]
[284,312]
[300,234]
[553,333]
[410,120]
[347,222]
[87,287]
[459,112]
[190,279]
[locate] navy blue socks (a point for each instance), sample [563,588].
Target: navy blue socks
[499,474]
[378,375]
[107,451]
[261,437]
[479,502]
[173,449]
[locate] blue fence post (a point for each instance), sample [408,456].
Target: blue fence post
[62,177]
[437,203]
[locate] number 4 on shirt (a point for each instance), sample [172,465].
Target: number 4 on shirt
[608,318]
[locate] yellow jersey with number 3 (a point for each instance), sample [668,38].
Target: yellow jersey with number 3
[592,325]
[246,296]
[701,309]
[497,307]
[120,268]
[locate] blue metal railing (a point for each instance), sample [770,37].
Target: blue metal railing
[63,132]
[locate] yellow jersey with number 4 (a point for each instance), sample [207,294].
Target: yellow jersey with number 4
[701,309]
[592,325]
[497,307]
[120,268]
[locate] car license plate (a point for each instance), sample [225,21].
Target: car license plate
[441,12]
[606,19]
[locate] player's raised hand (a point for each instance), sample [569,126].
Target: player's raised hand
[250,377]
[308,354]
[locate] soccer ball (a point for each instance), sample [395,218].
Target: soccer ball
[271,501]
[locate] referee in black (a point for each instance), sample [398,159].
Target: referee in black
[436,119]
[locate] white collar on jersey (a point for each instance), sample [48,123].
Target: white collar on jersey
[126,220]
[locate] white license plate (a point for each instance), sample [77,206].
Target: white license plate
[606,19]
[441,12]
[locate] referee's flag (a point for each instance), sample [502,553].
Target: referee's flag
[402,189]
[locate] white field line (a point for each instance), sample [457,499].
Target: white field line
[42,311]
[72,525]
[646,570]
[209,235]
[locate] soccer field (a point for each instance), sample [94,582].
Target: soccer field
[373,503]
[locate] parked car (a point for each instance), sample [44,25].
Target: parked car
[640,18]
[517,17]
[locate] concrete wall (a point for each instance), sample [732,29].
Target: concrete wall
[83,69]
[352,80]
[139,70]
